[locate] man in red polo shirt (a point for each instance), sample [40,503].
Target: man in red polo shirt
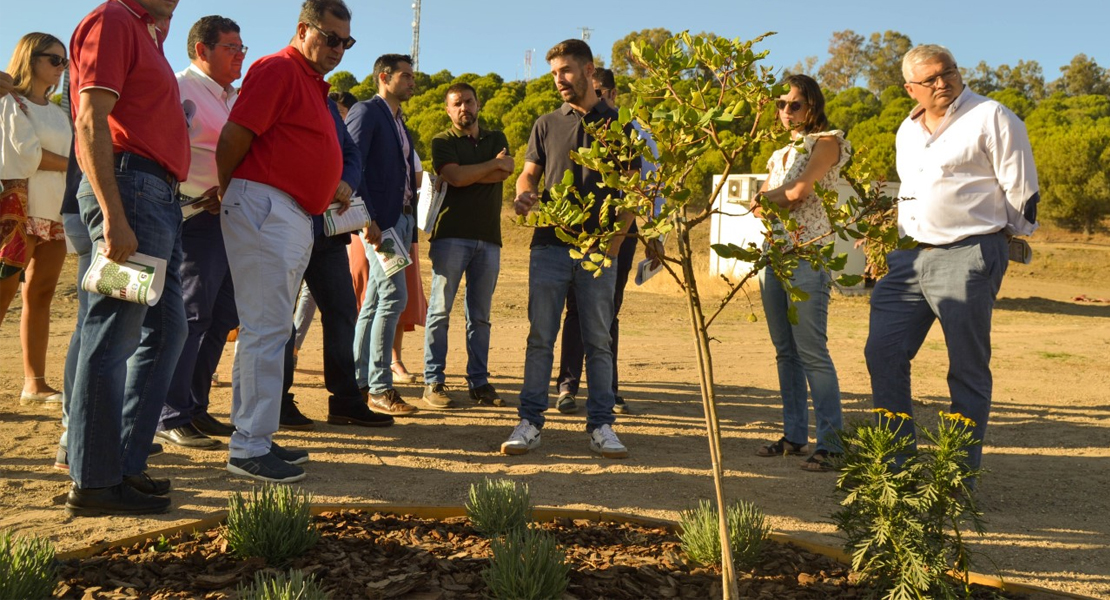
[279,162]
[133,147]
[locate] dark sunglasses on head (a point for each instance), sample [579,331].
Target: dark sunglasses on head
[333,40]
[56,60]
[794,106]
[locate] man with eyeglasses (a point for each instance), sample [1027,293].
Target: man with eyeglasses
[216,54]
[133,149]
[389,189]
[278,162]
[969,183]
[572,354]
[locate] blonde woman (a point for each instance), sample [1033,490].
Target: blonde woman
[34,151]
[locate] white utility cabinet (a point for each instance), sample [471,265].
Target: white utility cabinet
[735,225]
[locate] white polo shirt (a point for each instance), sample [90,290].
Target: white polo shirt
[212,104]
[974,175]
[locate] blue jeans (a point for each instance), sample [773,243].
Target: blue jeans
[802,355]
[78,236]
[956,284]
[552,274]
[128,350]
[268,237]
[377,319]
[328,278]
[451,259]
[571,352]
[209,297]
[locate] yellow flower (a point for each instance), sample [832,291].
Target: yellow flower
[957,418]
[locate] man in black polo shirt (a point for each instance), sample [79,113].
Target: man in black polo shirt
[473,162]
[553,273]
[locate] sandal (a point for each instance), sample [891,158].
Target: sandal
[400,373]
[820,462]
[782,447]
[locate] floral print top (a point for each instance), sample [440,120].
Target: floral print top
[788,163]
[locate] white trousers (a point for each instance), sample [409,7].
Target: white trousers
[268,237]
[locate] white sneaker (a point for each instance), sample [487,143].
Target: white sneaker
[525,437]
[606,443]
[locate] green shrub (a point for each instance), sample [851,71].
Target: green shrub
[272,522]
[496,507]
[27,568]
[527,564]
[904,509]
[294,586]
[701,533]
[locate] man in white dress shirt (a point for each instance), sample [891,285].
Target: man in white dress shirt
[969,184]
[217,54]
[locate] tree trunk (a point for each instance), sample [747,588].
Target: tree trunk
[709,406]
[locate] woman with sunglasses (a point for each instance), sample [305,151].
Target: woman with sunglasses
[813,156]
[34,151]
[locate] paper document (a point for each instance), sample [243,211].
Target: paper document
[427,208]
[356,217]
[140,279]
[392,254]
[190,206]
[644,270]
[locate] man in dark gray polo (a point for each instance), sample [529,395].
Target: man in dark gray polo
[473,162]
[553,273]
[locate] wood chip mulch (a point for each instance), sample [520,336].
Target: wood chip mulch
[374,555]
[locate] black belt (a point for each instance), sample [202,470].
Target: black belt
[129,161]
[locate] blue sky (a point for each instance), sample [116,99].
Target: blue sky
[493,35]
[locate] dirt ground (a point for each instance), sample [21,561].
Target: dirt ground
[1048,447]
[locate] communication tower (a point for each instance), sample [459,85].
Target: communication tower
[415,35]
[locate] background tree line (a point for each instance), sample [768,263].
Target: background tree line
[1068,118]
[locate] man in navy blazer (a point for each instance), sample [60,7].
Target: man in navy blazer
[389,189]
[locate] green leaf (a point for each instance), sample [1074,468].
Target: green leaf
[849,280]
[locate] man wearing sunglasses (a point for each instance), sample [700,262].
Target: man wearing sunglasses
[133,149]
[969,183]
[216,54]
[279,162]
[389,190]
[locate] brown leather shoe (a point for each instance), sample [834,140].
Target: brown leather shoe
[389,403]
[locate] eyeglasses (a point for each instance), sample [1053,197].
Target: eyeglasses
[235,48]
[600,92]
[948,75]
[333,40]
[56,60]
[794,106]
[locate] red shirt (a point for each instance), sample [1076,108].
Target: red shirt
[118,48]
[296,149]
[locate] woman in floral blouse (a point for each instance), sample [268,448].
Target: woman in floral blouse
[814,156]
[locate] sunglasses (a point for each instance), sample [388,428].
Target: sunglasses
[794,106]
[56,60]
[600,92]
[333,40]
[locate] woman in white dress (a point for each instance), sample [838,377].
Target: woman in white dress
[814,155]
[34,151]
